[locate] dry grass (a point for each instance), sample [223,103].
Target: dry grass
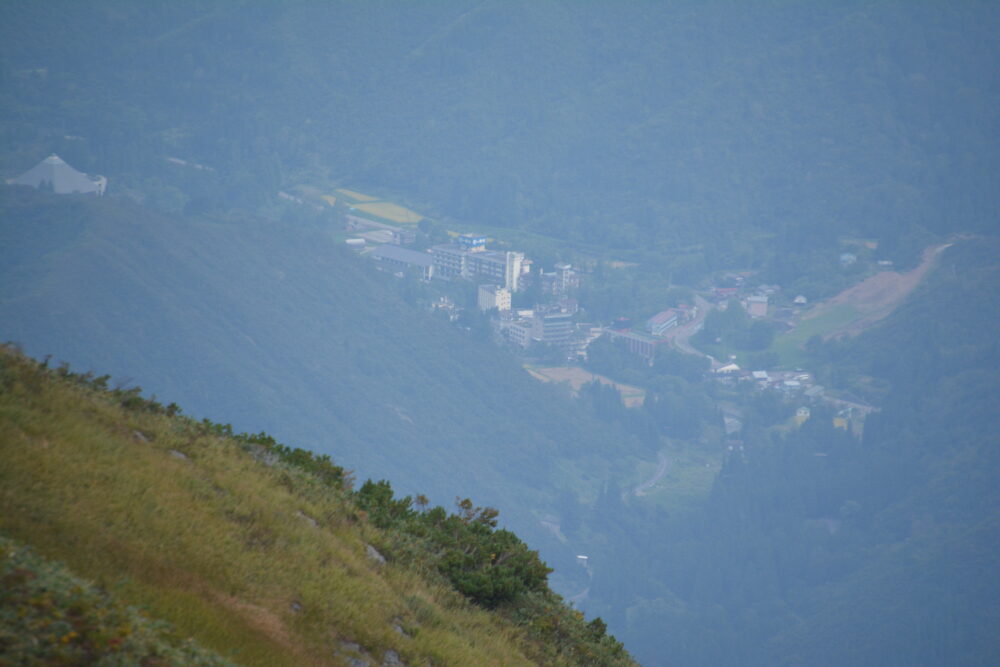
[393,212]
[876,297]
[355,196]
[216,543]
[632,397]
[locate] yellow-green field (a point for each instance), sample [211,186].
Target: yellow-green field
[355,196]
[329,199]
[393,212]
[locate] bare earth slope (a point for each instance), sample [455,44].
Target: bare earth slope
[877,296]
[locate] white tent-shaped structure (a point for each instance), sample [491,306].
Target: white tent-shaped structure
[63,179]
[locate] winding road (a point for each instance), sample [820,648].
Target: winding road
[661,470]
[681,335]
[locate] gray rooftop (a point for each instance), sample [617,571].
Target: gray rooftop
[403,255]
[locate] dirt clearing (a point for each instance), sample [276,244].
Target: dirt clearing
[877,296]
[632,397]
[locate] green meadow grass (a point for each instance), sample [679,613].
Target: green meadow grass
[789,346]
[688,480]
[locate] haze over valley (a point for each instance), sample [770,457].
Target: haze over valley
[701,297]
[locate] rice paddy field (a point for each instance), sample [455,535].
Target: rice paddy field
[390,211]
[355,196]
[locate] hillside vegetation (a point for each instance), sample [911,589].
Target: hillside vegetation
[259,552]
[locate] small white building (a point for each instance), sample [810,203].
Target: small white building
[54,173]
[518,332]
[757,305]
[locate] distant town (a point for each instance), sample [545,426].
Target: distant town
[553,327]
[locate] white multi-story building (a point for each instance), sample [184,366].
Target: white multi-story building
[494,296]
[470,259]
[553,328]
[519,332]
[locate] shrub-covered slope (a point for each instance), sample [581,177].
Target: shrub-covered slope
[259,552]
[50,617]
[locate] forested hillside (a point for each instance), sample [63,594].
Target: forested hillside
[821,548]
[692,135]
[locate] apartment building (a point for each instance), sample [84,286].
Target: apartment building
[468,258]
[493,296]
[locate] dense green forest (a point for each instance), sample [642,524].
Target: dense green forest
[687,136]
[657,145]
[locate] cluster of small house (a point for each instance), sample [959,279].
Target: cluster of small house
[790,383]
[500,274]
[655,332]
[758,302]
[799,386]
[551,323]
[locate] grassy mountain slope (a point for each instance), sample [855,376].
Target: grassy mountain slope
[253,557]
[50,616]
